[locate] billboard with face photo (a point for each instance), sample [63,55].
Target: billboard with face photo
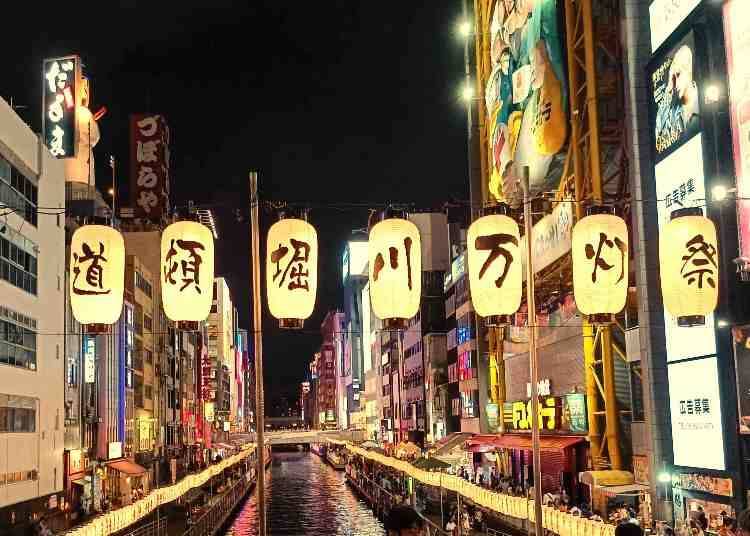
[525,97]
[675,99]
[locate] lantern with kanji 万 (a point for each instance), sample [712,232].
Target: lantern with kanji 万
[97,274]
[291,271]
[689,266]
[600,264]
[494,257]
[187,271]
[395,257]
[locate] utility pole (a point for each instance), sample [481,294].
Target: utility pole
[258,338]
[533,358]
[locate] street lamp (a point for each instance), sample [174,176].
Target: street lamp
[463,28]
[467,92]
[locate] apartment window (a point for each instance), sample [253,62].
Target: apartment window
[18,261]
[18,476]
[17,414]
[17,340]
[18,192]
[143,284]
[148,323]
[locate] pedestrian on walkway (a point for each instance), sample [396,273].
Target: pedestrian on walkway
[404,521]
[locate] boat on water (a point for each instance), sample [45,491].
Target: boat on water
[335,460]
[319,449]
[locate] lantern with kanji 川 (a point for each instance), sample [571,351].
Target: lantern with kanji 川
[291,271]
[689,266]
[97,274]
[395,257]
[187,271]
[600,264]
[494,257]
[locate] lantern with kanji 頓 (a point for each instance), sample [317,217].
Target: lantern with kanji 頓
[187,271]
[395,257]
[689,266]
[291,271]
[600,264]
[97,274]
[494,257]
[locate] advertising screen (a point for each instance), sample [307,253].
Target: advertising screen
[526,98]
[695,407]
[674,98]
[737,36]
[680,183]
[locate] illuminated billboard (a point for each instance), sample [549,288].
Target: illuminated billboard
[695,407]
[61,78]
[665,16]
[525,97]
[149,165]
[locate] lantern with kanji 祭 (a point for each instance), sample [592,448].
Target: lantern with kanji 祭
[395,257]
[689,266]
[291,271]
[187,271]
[600,264]
[494,257]
[97,274]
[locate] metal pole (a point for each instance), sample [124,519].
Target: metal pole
[258,338]
[114,189]
[533,358]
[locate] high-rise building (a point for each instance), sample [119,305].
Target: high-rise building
[353,382]
[32,293]
[221,352]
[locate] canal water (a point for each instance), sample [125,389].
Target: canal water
[306,496]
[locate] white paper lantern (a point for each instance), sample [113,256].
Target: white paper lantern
[292,270]
[187,271]
[395,257]
[97,274]
[689,265]
[494,256]
[600,264]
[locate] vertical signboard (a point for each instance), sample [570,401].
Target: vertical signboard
[149,165]
[695,407]
[737,36]
[61,78]
[89,359]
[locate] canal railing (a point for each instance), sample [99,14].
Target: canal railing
[157,527]
[216,517]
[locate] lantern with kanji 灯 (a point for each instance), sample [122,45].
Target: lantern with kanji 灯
[97,274]
[291,271]
[187,271]
[494,260]
[689,266]
[600,264]
[395,257]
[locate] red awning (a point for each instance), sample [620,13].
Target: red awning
[127,467]
[487,443]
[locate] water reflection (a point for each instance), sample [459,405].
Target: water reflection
[307,497]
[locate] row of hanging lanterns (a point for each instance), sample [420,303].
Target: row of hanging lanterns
[688,257]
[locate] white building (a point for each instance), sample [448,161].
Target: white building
[221,352]
[32,267]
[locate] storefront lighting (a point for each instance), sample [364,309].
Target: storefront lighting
[463,28]
[97,274]
[720,192]
[494,262]
[467,92]
[187,264]
[291,271]
[600,264]
[689,266]
[395,258]
[665,477]
[712,93]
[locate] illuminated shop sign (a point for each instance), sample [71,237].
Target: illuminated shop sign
[61,77]
[89,359]
[665,16]
[706,484]
[556,414]
[149,165]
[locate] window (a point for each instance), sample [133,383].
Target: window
[148,356]
[18,261]
[17,340]
[138,391]
[71,372]
[17,414]
[148,323]
[143,284]
[148,391]
[18,192]
[469,404]
[18,476]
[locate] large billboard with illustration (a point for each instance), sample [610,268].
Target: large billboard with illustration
[525,97]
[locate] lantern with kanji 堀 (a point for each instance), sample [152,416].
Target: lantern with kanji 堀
[395,257]
[689,266]
[97,274]
[187,271]
[494,257]
[291,271]
[600,264]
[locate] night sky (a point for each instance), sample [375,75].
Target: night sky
[335,103]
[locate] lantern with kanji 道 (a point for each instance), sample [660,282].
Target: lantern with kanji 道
[494,257]
[291,271]
[600,264]
[97,274]
[689,266]
[395,257]
[187,271]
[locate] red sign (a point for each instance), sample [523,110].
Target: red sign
[149,166]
